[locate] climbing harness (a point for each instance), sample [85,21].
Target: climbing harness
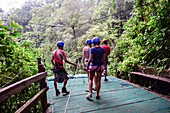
[59,70]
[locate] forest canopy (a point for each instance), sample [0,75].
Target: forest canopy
[137,30]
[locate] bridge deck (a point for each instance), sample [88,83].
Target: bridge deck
[117,96]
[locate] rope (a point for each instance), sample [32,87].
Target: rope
[17,74]
[70,90]
[52,103]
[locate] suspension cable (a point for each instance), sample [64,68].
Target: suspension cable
[17,74]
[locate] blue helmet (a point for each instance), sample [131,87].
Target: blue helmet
[88,41]
[95,39]
[60,43]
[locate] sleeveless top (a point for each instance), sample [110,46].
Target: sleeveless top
[87,54]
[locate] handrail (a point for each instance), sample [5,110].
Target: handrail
[12,89]
[32,101]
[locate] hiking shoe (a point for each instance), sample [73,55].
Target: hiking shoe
[57,92]
[94,88]
[87,90]
[64,91]
[106,79]
[89,96]
[97,97]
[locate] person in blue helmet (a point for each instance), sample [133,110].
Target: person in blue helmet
[96,63]
[60,74]
[86,54]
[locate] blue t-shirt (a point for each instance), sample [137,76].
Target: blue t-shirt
[98,53]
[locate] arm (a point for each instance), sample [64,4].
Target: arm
[109,51]
[64,57]
[52,60]
[84,57]
[70,62]
[104,60]
[90,59]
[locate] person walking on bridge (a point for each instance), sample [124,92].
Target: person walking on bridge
[107,52]
[59,71]
[86,54]
[96,61]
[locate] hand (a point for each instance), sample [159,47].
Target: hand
[75,64]
[87,68]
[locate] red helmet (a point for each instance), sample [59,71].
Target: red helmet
[104,40]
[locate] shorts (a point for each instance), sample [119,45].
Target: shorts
[60,74]
[94,68]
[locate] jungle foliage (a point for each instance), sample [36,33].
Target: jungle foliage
[72,21]
[137,30]
[145,39]
[17,61]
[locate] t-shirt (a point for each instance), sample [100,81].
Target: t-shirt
[98,53]
[106,48]
[59,55]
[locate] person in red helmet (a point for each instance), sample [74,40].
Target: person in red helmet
[60,74]
[107,52]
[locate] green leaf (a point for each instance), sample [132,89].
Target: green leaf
[113,2]
[16,25]
[4,27]
[18,34]
[0,22]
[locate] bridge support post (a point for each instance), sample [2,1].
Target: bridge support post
[43,84]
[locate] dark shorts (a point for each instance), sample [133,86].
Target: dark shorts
[60,73]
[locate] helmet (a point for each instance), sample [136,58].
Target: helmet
[105,40]
[88,41]
[60,43]
[95,39]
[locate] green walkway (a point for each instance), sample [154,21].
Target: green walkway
[116,97]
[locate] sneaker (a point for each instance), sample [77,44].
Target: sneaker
[87,90]
[89,96]
[64,91]
[57,92]
[94,88]
[106,79]
[97,97]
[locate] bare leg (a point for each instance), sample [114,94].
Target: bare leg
[88,73]
[105,74]
[95,82]
[91,82]
[98,80]
[65,82]
[55,84]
